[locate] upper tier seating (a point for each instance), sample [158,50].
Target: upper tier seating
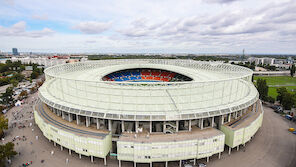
[149,75]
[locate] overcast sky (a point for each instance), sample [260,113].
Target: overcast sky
[149,26]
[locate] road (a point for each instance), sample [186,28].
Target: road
[272,146]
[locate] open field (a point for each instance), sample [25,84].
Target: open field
[272,90]
[278,81]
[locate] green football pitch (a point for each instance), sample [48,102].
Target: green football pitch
[275,82]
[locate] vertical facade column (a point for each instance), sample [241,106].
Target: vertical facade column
[208,159]
[189,126]
[163,127]
[119,163]
[77,119]
[237,148]
[79,156]
[194,161]
[122,126]
[105,161]
[177,126]
[69,152]
[150,164]
[219,155]
[213,121]
[61,148]
[54,143]
[201,123]
[229,117]
[229,151]
[87,121]
[137,126]
[166,163]
[91,158]
[180,163]
[98,123]
[150,126]
[135,164]
[70,117]
[63,114]
[236,114]
[109,125]
[241,112]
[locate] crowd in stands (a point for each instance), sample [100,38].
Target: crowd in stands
[147,75]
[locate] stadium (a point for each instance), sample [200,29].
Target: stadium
[148,110]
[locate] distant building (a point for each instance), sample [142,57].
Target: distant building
[290,60]
[262,61]
[15,52]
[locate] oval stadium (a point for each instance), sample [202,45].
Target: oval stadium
[148,110]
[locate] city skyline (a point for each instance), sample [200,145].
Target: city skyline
[213,26]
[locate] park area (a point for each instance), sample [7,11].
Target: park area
[275,82]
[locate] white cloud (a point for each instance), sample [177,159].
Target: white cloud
[19,29]
[40,17]
[220,1]
[92,27]
[153,26]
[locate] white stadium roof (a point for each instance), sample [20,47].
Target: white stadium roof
[216,89]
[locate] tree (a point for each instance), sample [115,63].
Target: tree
[3,125]
[33,89]
[6,152]
[17,76]
[288,101]
[281,93]
[292,70]
[23,94]
[14,82]
[270,99]
[262,89]
[34,75]
[6,97]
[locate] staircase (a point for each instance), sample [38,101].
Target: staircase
[170,127]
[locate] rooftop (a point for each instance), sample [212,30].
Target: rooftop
[195,134]
[56,121]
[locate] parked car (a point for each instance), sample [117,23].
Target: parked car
[277,109]
[202,165]
[289,117]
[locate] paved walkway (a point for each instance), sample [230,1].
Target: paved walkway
[280,85]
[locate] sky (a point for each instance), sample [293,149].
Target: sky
[149,26]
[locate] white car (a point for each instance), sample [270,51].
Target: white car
[202,165]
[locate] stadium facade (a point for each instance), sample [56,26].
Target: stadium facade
[147,111]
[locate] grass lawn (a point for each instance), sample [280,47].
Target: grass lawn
[272,90]
[278,80]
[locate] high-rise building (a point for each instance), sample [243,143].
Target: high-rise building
[15,52]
